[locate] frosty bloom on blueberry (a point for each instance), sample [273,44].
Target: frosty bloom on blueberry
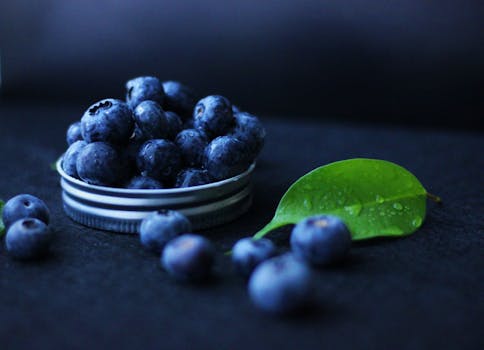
[179,98]
[70,158]
[159,159]
[28,238]
[192,177]
[98,163]
[321,239]
[213,114]
[24,206]
[192,145]
[142,89]
[74,133]
[151,120]
[247,253]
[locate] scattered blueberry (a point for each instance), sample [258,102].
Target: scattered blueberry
[249,129]
[28,238]
[151,120]
[247,253]
[144,88]
[188,258]
[225,157]
[281,285]
[98,163]
[192,177]
[70,158]
[159,159]
[321,239]
[236,109]
[179,98]
[192,145]
[175,124]
[144,183]
[24,206]
[161,226]
[74,133]
[109,121]
[213,114]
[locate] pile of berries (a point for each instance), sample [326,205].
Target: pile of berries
[161,137]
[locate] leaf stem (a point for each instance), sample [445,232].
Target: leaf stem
[434,198]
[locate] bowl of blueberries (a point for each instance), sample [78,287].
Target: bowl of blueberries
[163,148]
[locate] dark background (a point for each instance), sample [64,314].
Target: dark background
[407,62]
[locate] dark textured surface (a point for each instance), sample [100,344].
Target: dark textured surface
[100,289]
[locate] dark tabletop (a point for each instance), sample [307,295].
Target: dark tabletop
[100,289]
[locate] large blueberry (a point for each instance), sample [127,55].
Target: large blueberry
[192,177]
[175,124]
[70,158]
[74,133]
[99,164]
[161,226]
[24,206]
[249,129]
[151,120]
[225,157]
[109,121]
[213,114]
[188,258]
[179,98]
[192,145]
[144,183]
[144,88]
[28,238]
[321,239]
[247,253]
[281,285]
[159,159]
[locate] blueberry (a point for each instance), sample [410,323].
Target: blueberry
[70,158]
[144,88]
[213,114]
[192,145]
[28,238]
[236,109]
[74,133]
[144,183]
[179,98]
[321,239]
[249,129]
[188,258]
[247,253]
[99,164]
[159,159]
[24,206]
[225,157]
[161,226]
[175,124]
[129,155]
[192,177]
[109,121]
[151,120]
[281,285]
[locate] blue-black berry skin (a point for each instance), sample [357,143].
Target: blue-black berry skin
[192,177]
[281,285]
[175,124]
[226,156]
[151,120]
[160,227]
[321,239]
[99,164]
[179,98]
[24,206]
[144,183]
[142,89]
[188,258]
[249,130]
[74,133]
[213,114]
[70,158]
[192,144]
[109,121]
[28,238]
[247,253]
[159,159]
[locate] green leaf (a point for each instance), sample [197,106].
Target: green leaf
[373,197]
[2,226]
